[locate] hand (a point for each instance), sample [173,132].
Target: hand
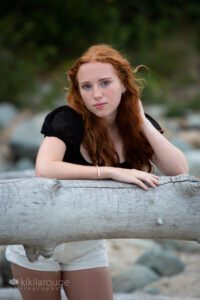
[135,176]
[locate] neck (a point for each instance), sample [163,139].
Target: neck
[111,123]
[112,127]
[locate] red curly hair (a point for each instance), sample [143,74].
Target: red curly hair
[137,150]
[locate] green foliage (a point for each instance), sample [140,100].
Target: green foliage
[38,36]
[17,75]
[181,108]
[67,27]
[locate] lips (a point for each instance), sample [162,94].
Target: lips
[100,105]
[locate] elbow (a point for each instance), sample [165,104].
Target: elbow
[176,169]
[41,171]
[182,168]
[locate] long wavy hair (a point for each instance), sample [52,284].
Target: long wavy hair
[137,150]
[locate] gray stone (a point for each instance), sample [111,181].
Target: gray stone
[24,164]
[172,125]
[181,144]
[7,113]
[26,137]
[181,246]
[151,290]
[5,268]
[5,166]
[133,278]
[193,157]
[1,280]
[162,262]
[155,110]
[193,121]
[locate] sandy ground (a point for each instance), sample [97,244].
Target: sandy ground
[183,285]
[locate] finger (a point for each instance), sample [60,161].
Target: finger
[140,184]
[149,174]
[153,182]
[156,181]
[149,181]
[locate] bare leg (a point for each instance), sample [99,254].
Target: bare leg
[88,284]
[40,285]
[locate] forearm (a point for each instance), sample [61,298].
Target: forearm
[169,159]
[63,170]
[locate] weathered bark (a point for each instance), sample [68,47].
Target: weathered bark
[14,294]
[41,213]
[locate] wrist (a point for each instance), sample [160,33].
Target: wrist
[106,172]
[146,125]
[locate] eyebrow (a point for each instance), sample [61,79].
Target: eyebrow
[104,78]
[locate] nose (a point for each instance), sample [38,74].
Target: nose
[97,92]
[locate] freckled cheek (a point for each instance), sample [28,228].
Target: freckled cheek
[115,95]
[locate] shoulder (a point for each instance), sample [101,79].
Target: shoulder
[65,123]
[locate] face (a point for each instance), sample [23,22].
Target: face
[101,89]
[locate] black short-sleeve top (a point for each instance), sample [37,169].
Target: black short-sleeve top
[67,125]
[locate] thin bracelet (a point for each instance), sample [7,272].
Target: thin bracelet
[98,172]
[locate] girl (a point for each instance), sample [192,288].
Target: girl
[103,133]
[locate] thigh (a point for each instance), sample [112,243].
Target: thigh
[40,285]
[88,284]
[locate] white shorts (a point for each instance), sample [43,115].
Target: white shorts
[66,257]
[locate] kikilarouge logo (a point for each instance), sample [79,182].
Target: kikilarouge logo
[13,281]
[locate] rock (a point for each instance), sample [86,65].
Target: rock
[182,145]
[184,285]
[193,121]
[181,246]
[152,290]
[128,250]
[193,157]
[5,267]
[157,111]
[162,262]
[7,113]
[18,174]
[26,138]
[171,126]
[1,280]
[5,166]
[24,164]
[191,137]
[133,278]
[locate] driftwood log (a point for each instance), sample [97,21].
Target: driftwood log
[42,213]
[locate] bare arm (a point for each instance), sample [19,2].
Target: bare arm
[50,164]
[168,158]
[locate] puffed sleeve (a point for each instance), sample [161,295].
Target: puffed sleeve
[65,124]
[154,123]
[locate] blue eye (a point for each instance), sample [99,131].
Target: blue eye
[105,83]
[86,86]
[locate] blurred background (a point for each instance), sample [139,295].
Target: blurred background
[39,40]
